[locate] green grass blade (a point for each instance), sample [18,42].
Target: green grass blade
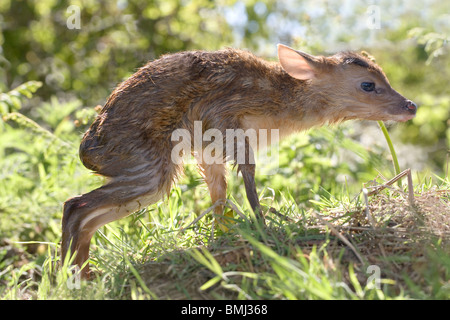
[391,149]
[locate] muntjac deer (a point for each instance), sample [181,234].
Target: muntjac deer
[130,142]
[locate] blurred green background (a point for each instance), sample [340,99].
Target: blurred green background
[82,65]
[52,76]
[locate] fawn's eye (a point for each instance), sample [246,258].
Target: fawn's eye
[368,86]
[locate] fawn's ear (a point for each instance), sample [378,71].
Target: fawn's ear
[297,64]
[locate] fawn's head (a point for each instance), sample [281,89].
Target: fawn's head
[350,82]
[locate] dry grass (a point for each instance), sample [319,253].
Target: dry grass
[398,238]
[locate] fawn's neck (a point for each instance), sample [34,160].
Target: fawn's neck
[301,106]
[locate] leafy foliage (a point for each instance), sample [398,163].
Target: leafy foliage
[12,100]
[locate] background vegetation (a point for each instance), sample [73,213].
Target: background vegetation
[52,77]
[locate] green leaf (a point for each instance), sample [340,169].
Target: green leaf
[210,283]
[16,104]
[28,88]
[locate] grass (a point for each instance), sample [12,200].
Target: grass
[296,256]
[321,242]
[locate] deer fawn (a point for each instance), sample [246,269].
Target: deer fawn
[130,140]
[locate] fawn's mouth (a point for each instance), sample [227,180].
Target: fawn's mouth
[404,117]
[408,112]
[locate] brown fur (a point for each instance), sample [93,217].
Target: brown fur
[130,141]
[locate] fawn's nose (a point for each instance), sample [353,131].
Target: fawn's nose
[411,106]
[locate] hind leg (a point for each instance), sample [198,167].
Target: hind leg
[84,214]
[248,174]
